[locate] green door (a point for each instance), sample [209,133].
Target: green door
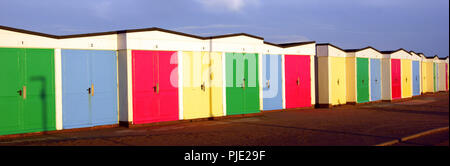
[362,86]
[27,101]
[242,90]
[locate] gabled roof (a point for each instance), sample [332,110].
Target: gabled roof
[328,44]
[127,31]
[360,49]
[287,45]
[391,52]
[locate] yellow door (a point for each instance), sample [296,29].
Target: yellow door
[428,80]
[423,73]
[338,84]
[406,78]
[216,83]
[202,71]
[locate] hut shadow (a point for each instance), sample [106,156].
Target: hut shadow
[43,98]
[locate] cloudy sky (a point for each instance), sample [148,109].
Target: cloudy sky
[418,25]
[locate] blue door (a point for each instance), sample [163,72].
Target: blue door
[272,90]
[375,80]
[89,88]
[416,78]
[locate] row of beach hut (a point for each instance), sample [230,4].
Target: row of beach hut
[145,76]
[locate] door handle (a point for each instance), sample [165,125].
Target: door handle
[243,83]
[338,81]
[298,81]
[268,83]
[20,92]
[92,89]
[89,90]
[363,81]
[406,79]
[24,92]
[202,87]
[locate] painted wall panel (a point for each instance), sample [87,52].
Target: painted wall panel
[298,81]
[271,77]
[324,96]
[386,77]
[406,78]
[155,89]
[27,100]
[396,79]
[351,79]
[435,81]
[89,83]
[375,79]
[362,83]
[416,77]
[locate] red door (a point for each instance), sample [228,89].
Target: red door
[298,81]
[396,79]
[155,92]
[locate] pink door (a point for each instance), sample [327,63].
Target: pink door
[155,91]
[446,77]
[396,79]
[298,81]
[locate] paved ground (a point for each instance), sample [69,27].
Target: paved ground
[367,124]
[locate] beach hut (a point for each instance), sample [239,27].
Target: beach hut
[272,77]
[427,74]
[436,73]
[299,74]
[27,78]
[368,73]
[89,80]
[442,74]
[331,75]
[242,59]
[392,74]
[150,75]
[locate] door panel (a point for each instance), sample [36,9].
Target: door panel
[298,81]
[416,78]
[305,81]
[234,83]
[145,102]
[375,79]
[104,80]
[75,83]
[251,89]
[362,74]
[216,84]
[272,90]
[396,82]
[10,83]
[168,82]
[39,105]
[196,92]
